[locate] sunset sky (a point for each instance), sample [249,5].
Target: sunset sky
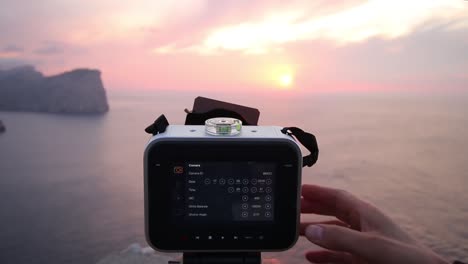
[244,44]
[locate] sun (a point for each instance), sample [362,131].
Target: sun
[285,79]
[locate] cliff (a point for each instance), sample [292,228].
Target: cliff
[74,92]
[2,127]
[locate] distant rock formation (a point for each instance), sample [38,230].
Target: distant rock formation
[75,92]
[2,127]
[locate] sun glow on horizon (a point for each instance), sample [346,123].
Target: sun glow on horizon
[280,76]
[286,80]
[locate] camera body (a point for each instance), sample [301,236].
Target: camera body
[222,193]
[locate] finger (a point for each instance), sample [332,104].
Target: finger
[316,207]
[339,238]
[304,225]
[328,201]
[271,261]
[327,256]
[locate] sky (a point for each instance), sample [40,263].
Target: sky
[295,45]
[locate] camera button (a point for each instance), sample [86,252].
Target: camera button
[268,198]
[245,181]
[245,198]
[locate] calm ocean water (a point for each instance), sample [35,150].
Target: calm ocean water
[71,188]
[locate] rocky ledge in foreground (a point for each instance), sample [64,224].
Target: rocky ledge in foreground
[75,92]
[136,254]
[2,127]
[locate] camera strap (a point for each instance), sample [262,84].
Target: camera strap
[159,126]
[308,140]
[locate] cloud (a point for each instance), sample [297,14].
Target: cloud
[51,49]
[192,29]
[11,51]
[13,48]
[431,58]
[371,19]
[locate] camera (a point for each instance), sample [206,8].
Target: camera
[222,187]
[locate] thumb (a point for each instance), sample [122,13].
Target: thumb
[340,238]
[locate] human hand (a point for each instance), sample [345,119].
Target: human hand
[360,234]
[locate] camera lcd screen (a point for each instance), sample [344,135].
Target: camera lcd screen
[244,192]
[228,196]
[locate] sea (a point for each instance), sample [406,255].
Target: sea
[71,186]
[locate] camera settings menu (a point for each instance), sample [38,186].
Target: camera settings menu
[224,191]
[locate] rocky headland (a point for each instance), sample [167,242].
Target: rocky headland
[79,91]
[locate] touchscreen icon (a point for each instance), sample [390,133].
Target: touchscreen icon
[178,169]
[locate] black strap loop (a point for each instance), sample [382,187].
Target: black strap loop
[308,141]
[158,126]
